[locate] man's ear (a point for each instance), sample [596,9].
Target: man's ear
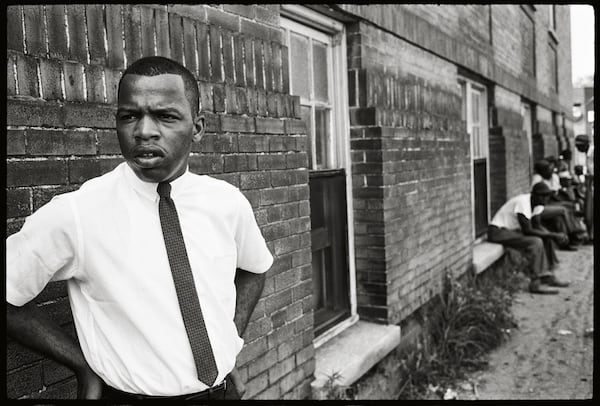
[198,127]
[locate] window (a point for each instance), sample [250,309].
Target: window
[528,42]
[526,113]
[474,114]
[317,64]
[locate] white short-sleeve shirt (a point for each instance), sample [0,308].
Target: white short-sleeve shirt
[105,239]
[506,217]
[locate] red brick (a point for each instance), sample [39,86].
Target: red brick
[271,161]
[147,27]
[221,19]
[38,172]
[253,143]
[108,143]
[244,10]
[267,16]
[23,381]
[282,334]
[281,368]
[256,385]
[162,33]
[45,142]
[195,12]
[35,37]
[11,84]
[95,88]
[18,355]
[50,78]
[132,30]
[14,29]
[15,142]
[228,63]
[252,350]
[189,48]
[18,202]
[54,372]
[203,56]
[77,40]
[216,143]
[268,65]
[254,180]
[231,105]
[257,328]
[114,28]
[269,125]
[89,115]
[273,196]
[242,101]
[249,61]
[218,91]
[81,170]
[80,142]
[27,76]
[95,33]
[238,44]
[262,364]
[74,90]
[176,37]
[215,55]
[258,62]
[206,164]
[57,33]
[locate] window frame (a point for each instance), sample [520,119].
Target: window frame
[303,17]
[471,86]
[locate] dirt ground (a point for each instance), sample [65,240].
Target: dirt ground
[550,354]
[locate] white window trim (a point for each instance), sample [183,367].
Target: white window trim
[484,130]
[337,30]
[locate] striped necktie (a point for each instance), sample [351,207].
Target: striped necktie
[187,296]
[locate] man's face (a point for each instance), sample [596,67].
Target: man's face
[155,126]
[582,146]
[539,199]
[546,171]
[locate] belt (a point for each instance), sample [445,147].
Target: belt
[113,393]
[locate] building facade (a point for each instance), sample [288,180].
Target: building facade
[374,143]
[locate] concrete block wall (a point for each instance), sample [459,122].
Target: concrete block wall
[61,99]
[411,174]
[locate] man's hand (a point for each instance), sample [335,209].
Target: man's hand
[89,385]
[560,238]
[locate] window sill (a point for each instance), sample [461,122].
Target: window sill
[485,254]
[352,353]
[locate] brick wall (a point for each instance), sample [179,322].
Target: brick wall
[61,85]
[411,174]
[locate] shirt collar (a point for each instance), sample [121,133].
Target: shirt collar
[148,189]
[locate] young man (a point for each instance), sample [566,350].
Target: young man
[558,215]
[164,267]
[517,225]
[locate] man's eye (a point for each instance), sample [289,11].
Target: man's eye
[126,117]
[168,117]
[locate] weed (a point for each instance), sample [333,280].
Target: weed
[470,320]
[334,391]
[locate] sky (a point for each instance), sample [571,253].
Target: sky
[582,41]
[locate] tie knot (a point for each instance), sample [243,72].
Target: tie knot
[164,189]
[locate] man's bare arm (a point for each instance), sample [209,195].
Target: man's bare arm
[248,287]
[32,328]
[534,227]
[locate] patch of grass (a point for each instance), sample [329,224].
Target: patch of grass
[471,319]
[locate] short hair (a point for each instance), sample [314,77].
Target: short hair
[159,65]
[541,166]
[566,154]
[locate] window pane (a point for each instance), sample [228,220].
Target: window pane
[299,61]
[463,107]
[322,136]
[307,118]
[475,111]
[320,71]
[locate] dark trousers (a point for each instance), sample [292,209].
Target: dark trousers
[225,391]
[539,251]
[560,217]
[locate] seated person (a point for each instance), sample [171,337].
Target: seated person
[558,215]
[517,225]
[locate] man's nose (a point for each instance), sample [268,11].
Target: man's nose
[146,128]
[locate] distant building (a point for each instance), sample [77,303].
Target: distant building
[374,142]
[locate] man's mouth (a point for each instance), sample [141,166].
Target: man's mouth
[147,157]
